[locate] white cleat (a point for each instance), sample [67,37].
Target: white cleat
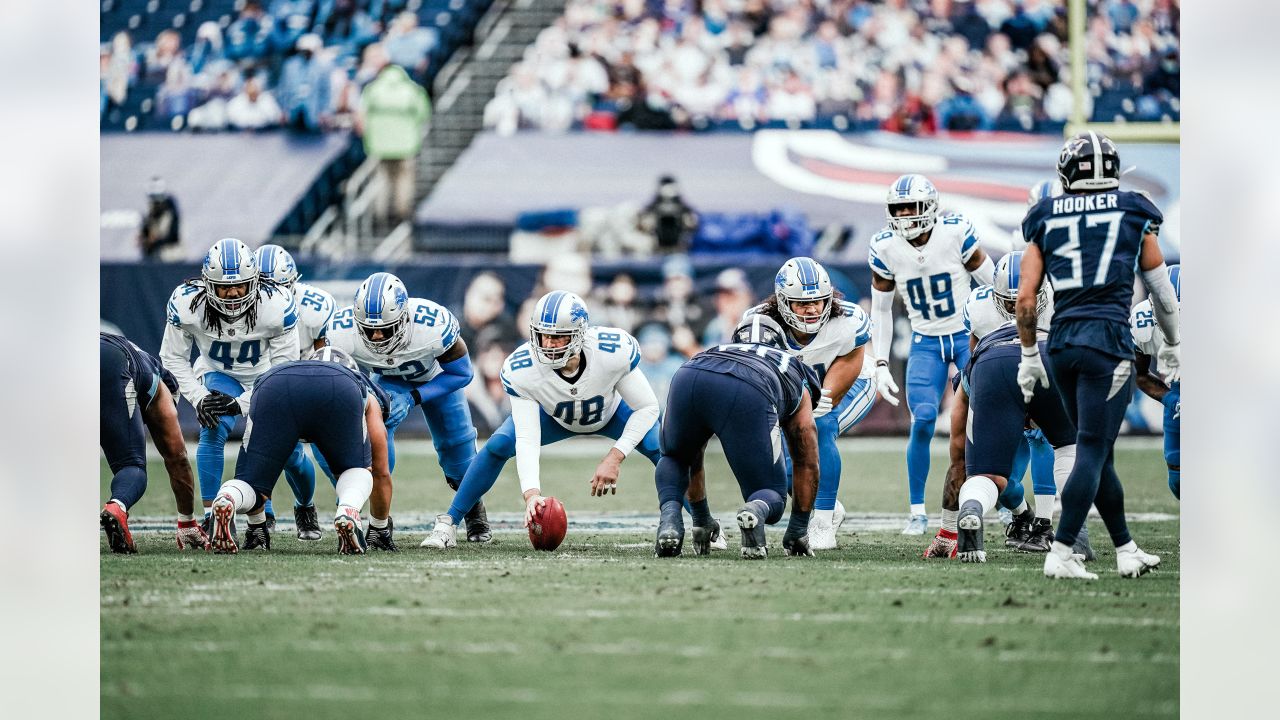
[719,541]
[1069,568]
[443,536]
[1135,563]
[822,534]
[916,525]
[837,517]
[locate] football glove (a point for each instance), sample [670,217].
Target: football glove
[885,385]
[190,534]
[1031,372]
[1169,362]
[401,404]
[796,545]
[215,405]
[824,405]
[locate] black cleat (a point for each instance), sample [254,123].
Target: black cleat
[1017,532]
[308,523]
[704,536]
[1082,546]
[1040,537]
[257,536]
[754,542]
[969,534]
[670,541]
[271,521]
[478,524]
[380,538]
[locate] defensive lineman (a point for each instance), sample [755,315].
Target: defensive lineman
[1089,243]
[570,379]
[242,327]
[929,261]
[1149,342]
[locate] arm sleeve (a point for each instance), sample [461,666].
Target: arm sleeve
[1164,301]
[526,416]
[638,394]
[175,354]
[881,322]
[456,375]
[985,273]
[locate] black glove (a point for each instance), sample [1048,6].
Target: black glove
[215,405]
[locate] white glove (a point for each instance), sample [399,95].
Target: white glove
[1169,362]
[1031,372]
[824,405]
[885,385]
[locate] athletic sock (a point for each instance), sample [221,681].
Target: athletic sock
[918,509]
[258,518]
[1044,507]
[701,512]
[949,518]
[1022,507]
[379,523]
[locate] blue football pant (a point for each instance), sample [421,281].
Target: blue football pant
[1038,453]
[926,381]
[1173,438]
[852,409]
[452,432]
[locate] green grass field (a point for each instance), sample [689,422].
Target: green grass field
[601,628]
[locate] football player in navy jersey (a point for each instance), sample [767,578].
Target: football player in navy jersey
[1089,242]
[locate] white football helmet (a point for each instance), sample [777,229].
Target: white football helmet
[227,264]
[916,192]
[381,304]
[802,279]
[276,264]
[1005,287]
[1044,190]
[558,313]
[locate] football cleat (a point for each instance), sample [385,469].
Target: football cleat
[350,537]
[478,524]
[969,538]
[702,537]
[754,542]
[1018,530]
[1135,563]
[115,523]
[837,517]
[1069,568]
[719,541]
[1006,516]
[670,539]
[271,521]
[822,534]
[1082,546]
[1039,538]
[257,536]
[916,525]
[380,538]
[443,536]
[307,522]
[223,538]
[943,545]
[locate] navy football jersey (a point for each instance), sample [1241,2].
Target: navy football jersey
[1091,243]
[1002,342]
[145,368]
[324,368]
[775,373]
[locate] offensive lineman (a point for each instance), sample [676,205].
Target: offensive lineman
[1149,342]
[928,260]
[242,328]
[570,379]
[830,336]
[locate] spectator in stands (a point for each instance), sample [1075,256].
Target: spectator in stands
[1041,67]
[670,219]
[1020,28]
[733,298]
[372,60]
[393,115]
[346,100]
[912,117]
[1163,81]
[303,91]
[1123,14]
[484,305]
[347,27]
[490,404]
[679,307]
[166,50]
[292,21]
[249,37]
[616,306]
[122,68]
[969,24]
[791,100]
[961,111]
[212,115]
[254,108]
[1022,109]
[160,222]
[207,51]
[409,46]
[176,96]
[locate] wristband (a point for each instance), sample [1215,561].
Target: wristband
[186,521]
[1030,351]
[417,396]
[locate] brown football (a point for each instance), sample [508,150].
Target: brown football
[547,530]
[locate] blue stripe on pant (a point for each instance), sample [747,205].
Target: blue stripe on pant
[926,381]
[449,419]
[501,447]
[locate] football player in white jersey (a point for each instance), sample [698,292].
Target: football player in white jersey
[241,327]
[932,263]
[1142,323]
[315,310]
[413,347]
[570,379]
[830,335]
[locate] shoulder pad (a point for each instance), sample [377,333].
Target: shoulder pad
[885,234]
[178,311]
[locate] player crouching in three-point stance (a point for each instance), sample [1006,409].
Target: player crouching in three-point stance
[328,402]
[741,393]
[1089,242]
[570,379]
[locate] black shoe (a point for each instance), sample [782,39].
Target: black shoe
[271,521]
[257,536]
[1017,532]
[670,541]
[969,534]
[380,538]
[1040,538]
[307,522]
[1082,545]
[754,542]
[703,537]
[478,524]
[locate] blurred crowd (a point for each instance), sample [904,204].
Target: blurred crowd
[913,66]
[299,64]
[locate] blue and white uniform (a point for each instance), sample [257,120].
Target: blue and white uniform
[1149,340]
[315,311]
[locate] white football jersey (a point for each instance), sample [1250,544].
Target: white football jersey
[589,403]
[981,315]
[1147,335]
[237,351]
[315,311]
[432,331]
[932,278]
[837,336]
